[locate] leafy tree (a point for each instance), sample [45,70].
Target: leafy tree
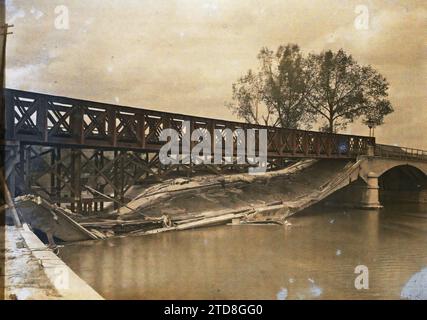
[247,94]
[340,91]
[292,91]
[377,106]
[278,88]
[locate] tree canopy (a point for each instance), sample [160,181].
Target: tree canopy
[293,91]
[276,91]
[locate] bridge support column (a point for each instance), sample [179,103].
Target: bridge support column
[370,194]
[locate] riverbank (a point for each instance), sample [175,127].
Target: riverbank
[34,272]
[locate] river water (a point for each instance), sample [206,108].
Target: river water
[313,258]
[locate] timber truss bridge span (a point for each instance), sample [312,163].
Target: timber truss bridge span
[63,149]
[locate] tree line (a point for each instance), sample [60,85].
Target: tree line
[291,90]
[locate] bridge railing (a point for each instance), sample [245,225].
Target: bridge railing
[387,151]
[34,118]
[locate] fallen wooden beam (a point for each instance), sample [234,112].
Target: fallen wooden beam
[9,202]
[4,207]
[204,222]
[209,221]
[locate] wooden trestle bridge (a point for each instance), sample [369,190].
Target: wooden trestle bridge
[55,146]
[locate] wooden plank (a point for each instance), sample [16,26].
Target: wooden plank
[9,202]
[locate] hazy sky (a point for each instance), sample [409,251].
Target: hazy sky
[183,55]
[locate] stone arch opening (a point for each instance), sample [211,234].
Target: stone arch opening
[403,183]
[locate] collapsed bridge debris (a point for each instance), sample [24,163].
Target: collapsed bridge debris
[286,192]
[51,219]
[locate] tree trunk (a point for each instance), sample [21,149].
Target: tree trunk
[331,125]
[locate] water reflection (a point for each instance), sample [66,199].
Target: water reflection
[315,258]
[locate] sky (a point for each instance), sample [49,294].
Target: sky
[183,55]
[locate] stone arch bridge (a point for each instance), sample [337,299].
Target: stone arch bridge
[382,168]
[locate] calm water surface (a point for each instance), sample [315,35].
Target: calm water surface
[314,258]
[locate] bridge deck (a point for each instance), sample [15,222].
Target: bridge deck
[64,171]
[402,153]
[34,118]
